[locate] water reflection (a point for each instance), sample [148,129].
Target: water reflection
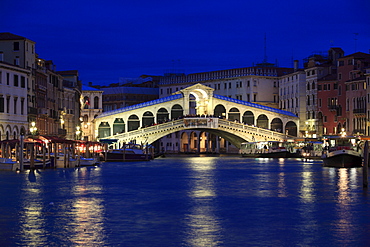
[32,218]
[204,226]
[307,188]
[87,210]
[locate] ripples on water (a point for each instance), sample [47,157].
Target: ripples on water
[193,201]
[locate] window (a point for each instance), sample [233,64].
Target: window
[229,84]
[319,87]
[22,106]
[328,86]
[340,76]
[96,102]
[2,103]
[7,104]
[15,105]
[341,63]
[23,82]
[248,83]
[7,78]
[1,80]
[16,46]
[15,81]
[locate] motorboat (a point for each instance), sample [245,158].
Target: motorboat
[342,152]
[37,164]
[268,149]
[88,161]
[7,164]
[129,152]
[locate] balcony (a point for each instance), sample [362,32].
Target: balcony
[357,111]
[333,107]
[62,132]
[32,111]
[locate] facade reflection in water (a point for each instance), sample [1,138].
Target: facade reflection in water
[344,224]
[203,224]
[87,211]
[74,218]
[32,215]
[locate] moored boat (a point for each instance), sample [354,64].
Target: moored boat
[9,165]
[89,161]
[268,149]
[342,152]
[129,152]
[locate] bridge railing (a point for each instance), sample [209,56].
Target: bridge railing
[254,129]
[221,123]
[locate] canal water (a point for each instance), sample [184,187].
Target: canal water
[186,201]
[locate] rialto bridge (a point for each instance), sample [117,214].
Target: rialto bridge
[196,108]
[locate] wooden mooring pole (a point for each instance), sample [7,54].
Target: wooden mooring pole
[365,167]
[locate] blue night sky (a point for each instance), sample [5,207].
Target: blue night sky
[106,40]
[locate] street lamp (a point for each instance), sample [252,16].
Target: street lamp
[33,128]
[78,131]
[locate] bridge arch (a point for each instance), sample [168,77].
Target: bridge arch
[148,119]
[184,142]
[119,126]
[104,130]
[162,115]
[263,121]
[248,118]
[220,111]
[234,114]
[277,125]
[176,111]
[291,128]
[133,122]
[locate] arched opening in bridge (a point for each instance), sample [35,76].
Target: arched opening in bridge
[263,121]
[133,122]
[203,142]
[162,115]
[176,111]
[277,125]
[104,130]
[192,104]
[220,111]
[148,119]
[291,128]
[194,143]
[118,126]
[184,143]
[234,114]
[248,118]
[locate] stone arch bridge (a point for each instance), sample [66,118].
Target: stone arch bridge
[196,108]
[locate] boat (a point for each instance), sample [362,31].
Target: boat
[342,152]
[37,164]
[89,161]
[267,149]
[306,148]
[9,165]
[128,152]
[70,163]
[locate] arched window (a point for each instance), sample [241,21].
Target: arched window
[96,102]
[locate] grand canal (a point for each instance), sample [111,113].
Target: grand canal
[186,201]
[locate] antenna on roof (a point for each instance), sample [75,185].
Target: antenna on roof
[265,53]
[355,38]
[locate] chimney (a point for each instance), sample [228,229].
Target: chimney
[296,65]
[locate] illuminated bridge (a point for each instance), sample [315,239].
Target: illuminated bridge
[196,108]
